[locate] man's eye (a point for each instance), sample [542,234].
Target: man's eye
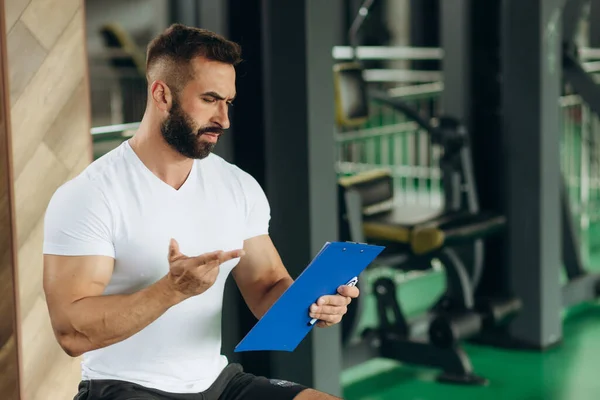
[209,100]
[230,104]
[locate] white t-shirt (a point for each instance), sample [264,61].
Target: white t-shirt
[119,208]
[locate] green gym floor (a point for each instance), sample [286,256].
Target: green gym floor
[565,372]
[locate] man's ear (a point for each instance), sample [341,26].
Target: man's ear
[161,94]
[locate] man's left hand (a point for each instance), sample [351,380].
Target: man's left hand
[329,310]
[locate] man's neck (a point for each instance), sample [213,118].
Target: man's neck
[163,161]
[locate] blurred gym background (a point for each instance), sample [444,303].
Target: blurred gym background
[463,135]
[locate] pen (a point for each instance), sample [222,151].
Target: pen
[352,282]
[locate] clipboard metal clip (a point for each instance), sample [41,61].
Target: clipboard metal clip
[351,282]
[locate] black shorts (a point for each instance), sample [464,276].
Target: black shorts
[232,384]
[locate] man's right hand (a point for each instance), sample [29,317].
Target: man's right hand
[191,276]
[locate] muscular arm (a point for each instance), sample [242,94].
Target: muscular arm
[261,275]
[82,319]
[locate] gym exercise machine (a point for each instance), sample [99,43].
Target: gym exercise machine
[581,285]
[452,235]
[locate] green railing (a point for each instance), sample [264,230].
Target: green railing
[106,138]
[389,139]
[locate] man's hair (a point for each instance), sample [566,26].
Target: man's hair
[171,52]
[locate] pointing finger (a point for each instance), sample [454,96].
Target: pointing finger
[217,256]
[206,258]
[230,255]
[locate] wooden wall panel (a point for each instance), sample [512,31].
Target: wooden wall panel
[51,144]
[36,109]
[10,365]
[47,19]
[26,55]
[13,10]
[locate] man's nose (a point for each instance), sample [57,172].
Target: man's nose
[222,115]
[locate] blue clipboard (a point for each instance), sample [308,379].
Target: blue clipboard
[287,322]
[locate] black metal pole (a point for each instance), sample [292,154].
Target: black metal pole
[502,75]
[531,64]
[283,123]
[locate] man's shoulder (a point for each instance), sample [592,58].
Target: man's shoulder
[94,178]
[110,165]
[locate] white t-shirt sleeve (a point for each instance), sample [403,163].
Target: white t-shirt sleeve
[78,221]
[258,210]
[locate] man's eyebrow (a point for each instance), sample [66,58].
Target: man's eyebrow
[216,96]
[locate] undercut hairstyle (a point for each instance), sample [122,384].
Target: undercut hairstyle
[169,54]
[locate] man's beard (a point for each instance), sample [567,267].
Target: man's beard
[177,130]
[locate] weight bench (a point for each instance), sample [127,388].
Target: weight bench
[373,216]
